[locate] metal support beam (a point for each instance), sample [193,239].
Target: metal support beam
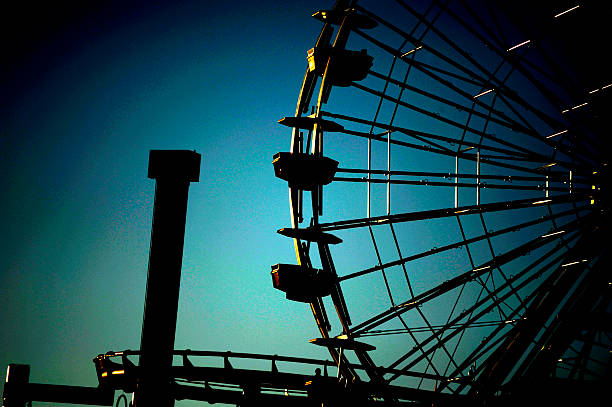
[58,393]
[19,392]
[173,170]
[17,378]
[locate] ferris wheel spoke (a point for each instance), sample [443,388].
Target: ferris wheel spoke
[436,334]
[485,159]
[553,145]
[513,152]
[481,80]
[415,42]
[485,96]
[399,254]
[465,242]
[549,295]
[498,116]
[505,279]
[528,131]
[381,267]
[430,328]
[486,345]
[459,368]
[420,329]
[553,257]
[449,175]
[489,110]
[491,113]
[545,162]
[553,73]
[452,212]
[579,151]
[459,280]
[493,160]
[495,39]
[389,79]
[461,292]
[429,70]
[483,285]
[490,78]
[503,52]
[418,347]
[582,146]
[443,119]
[458,184]
[575,302]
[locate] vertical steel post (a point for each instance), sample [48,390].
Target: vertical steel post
[478,177]
[388,172]
[172,170]
[456,181]
[15,385]
[369,185]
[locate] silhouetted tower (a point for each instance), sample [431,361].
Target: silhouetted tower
[173,172]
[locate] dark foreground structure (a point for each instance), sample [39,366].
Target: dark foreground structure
[462,257]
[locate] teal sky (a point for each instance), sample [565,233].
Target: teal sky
[87,97]
[89,91]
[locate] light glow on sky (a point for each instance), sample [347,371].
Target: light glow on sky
[90,90]
[86,98]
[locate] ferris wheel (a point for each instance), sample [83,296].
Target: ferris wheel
[447,171]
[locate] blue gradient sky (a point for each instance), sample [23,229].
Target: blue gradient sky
[88,93]
[90,90]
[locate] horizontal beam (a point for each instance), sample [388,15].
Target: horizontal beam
[233,380]
[451,212]
[57,393]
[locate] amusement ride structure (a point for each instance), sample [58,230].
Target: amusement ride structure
[448,175]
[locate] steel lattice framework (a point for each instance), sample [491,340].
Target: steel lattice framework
[463,241]
[462,255]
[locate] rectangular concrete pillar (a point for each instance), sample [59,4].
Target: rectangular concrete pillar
[173,171]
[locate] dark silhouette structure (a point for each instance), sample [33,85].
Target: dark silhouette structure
[518,94]
[173,171]
[519,98]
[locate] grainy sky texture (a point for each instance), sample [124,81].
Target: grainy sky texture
[87,92]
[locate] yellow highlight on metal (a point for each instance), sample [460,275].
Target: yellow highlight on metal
[566,11]
[518,45]
[483,93]
[557,134]
[411,51]
[541,202]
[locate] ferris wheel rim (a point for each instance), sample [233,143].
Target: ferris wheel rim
[295,200]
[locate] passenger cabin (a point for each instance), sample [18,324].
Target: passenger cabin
[345,66]
[300,283]
[304,171]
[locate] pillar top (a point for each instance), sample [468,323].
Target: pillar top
[176,164]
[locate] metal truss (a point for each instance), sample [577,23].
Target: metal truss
[462,147]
